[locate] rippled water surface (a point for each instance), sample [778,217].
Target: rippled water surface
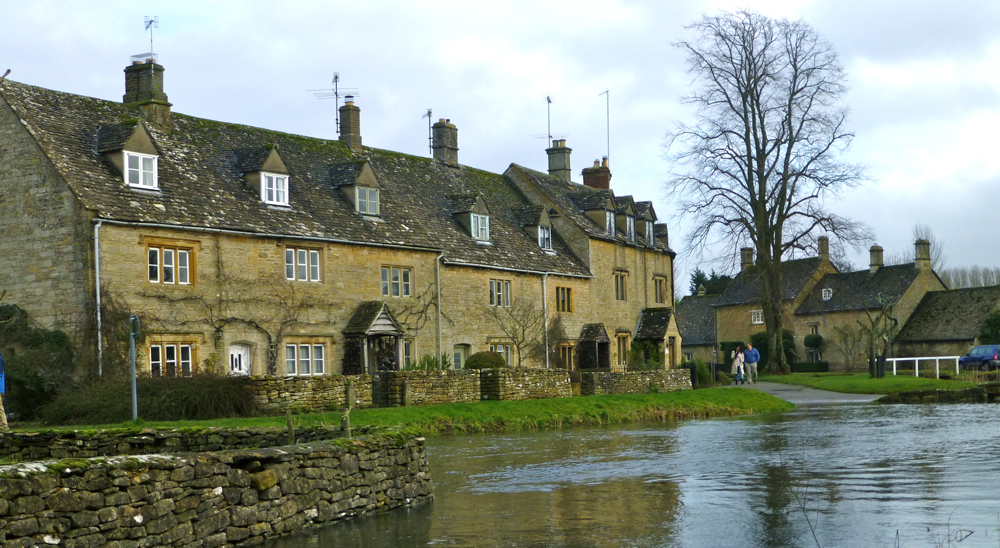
[858,473]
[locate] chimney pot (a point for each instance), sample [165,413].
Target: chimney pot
[746,258]
[604,161]
[823,248]
[701,291]
[559,160]
[876,258]
[445,141]
[598,176]
[922,254]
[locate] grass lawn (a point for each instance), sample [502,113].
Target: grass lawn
[519,415]
[862,383]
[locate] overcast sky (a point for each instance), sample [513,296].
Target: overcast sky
[924,77]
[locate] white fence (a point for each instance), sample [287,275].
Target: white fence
[916,364]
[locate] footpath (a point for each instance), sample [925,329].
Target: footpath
[803,395]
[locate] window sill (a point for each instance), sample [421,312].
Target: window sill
[150,189]
[484,242]
[372,218]
[278,207]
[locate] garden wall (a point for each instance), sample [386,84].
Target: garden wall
[237,498]
[398,388]
[524,384]
[275,395]
[77,444]
[594,383]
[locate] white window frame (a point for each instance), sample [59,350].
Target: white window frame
[480,226]
[305,359]
[609,222]
[503,350]
[397,281]
[827,293]
[630,227]
[367,200]
[408,353]
[623,347]
[545,237]
[144,174]
[303,264]
[756,317]
[499,292]
[168,265]
[650,233]
[621,286]
[274,188]
[180,355]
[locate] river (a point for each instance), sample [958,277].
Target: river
[857,475]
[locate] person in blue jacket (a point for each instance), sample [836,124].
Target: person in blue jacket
[750,359]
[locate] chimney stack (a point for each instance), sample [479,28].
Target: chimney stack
[598,176]
[445,143]
[350,124]
[144,89]
[701,291]
[559,160]
[876,258]
[922,254]
[823,248]
[746,258]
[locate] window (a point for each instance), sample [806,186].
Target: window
[650,233]
[305,359]
[756,317]
[169,265]
[140,170]
[408,353]
[274,189]
[827,293]
[622,348]
[367,200]
[566,355]
[545,237]
[660,290]
[814,329]
[621,287]
[396,281]
[460,353]
[503,350]
[609,222]
[499,292]
[630,227]
[564,299]
[480,227]
[171,359]
[302,264]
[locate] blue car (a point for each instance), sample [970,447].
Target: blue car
[985,357]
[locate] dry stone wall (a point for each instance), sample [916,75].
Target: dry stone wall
[524,384]
[398,388]
[237,498]
[594,383]
[275,395]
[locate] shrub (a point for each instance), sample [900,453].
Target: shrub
[430,362]
[41,367]
[759,341]
[644,356]
[485,360]
[811,367]
[813,341]
[704,374]
[201,397]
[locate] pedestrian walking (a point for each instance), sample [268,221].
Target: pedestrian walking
[3,412]
[750,358]
[736,369]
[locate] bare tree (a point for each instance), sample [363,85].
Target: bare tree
[522,322]
[762,155]
[970,276]
[877,331]
[922,231]
[848,345]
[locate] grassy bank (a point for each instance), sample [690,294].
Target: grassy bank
[524,415]
[862,383]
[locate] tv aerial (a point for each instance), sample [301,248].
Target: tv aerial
[150,24]
[334,93]
[548,111]
[607,96]
[430,133]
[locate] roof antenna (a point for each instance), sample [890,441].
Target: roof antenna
[334,93]
[430,133]
[607,94]
[548,112]
[150,23]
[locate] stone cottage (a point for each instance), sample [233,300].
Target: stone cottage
[251,251]
[947,323]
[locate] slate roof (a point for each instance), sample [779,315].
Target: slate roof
[200,186]
[528,215]
[365,315]
[696,320]
[345,173]
[859,290]
[953,315]
[653,323]
[594,332]
[745,287]
[113,136]
[644,210]
[251,159]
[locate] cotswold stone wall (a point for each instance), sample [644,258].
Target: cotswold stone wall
[275,395]
[595,383]
[524,384]
[76,444]
[398,388]
[238,498]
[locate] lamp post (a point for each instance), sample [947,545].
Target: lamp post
[133,332]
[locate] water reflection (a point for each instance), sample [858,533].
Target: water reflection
[856,474]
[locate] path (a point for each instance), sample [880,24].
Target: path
[803,395]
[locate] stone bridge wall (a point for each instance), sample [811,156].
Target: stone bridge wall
[594,383]
[524,384]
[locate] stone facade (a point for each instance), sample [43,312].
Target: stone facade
[275,395]
[596,383]
[237,498]
[524,384]
[399,388]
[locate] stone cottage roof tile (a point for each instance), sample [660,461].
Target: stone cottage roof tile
[859,290]
[696,319]
[953,315]
[745,287]
[653,323]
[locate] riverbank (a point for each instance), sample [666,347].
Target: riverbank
[503,416]
[862,383]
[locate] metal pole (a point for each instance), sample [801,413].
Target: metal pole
[133,328]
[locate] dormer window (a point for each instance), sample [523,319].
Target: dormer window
[545,237]
[274,189]
[630,227]
[827,293]
[650,236]
[367,200]
[480,227]
[140,170]
[609,222]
